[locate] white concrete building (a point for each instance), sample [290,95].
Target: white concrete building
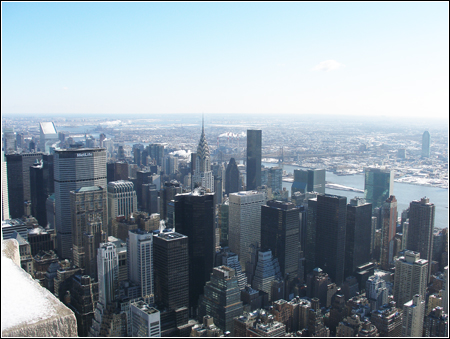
[145,320]
[413,313]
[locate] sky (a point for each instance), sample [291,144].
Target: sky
[366,58]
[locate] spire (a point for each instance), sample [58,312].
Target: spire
[203,123]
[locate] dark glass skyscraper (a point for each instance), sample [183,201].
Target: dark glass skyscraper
[312,180]
[232,177]
[330,231]
[194,217]
[254,153]
[388,229]
[378,185]
[280,225]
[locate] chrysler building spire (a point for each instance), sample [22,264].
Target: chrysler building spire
[202,174]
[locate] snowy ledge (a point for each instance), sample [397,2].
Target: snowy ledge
[29,310]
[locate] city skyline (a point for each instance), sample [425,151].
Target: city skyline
[158,58]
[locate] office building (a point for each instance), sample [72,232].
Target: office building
[378,185]
[410,277]
[312,180]
[280,226]
[122,199]
[376,292]
[140,262]
[388,230]
[436,323]
[267,274]
[445,290]
[420,230]
[244,222]
[331,226]
[309,249]
[413,313]
[259,323]
[223,222]
[254,155]
[89,217]
[227,258]
[194,217]
[145,320]
[275,179]
[156,152]
[168,193]
[48,136]
[232,184]
[317,283]
[358,235]
[38,192]
[9,140]
[5,200]
[221,298]
[426,144]
[388,320]
[74,169]
[18,176]
[203,176]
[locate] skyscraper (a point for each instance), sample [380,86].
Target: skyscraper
[312,180]
[244,222]
[376,292]
[254,154]
[358,235]
[232,177]
[388,229]
[331,229]
[202,174]
[410,277]
[420,230]
[122,199]
[140,262]
[311,235]
[48,136]
[5,200]
[194,217]
[426,144]
[413,313]
[145,320]
[74,168]
[378,185]
[280,226]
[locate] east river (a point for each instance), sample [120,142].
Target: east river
[405,193]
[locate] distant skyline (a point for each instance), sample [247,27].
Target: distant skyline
[319,58]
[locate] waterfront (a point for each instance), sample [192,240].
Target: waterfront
[405,193]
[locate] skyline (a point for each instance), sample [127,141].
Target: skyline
[241,58]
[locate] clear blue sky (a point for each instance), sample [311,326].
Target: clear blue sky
[387,58]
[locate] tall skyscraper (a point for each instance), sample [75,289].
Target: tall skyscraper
[140,262]
[426,144]
[5,200]
[312,180]
[18,175]
[74,168]
[280,226]
[9,140]
[168,193]
[254,154]
[194,217]
[413,313]
[358,235]
[330,230]
[410,277]
[222,298]
[311,235]
[244,222]
[89,215]
[420,230]
[378,185]
[48,136]
[202,174]
[388,230]
[232,177]
[122,199]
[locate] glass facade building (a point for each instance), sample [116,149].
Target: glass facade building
[254,154]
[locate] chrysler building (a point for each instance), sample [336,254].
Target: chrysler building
[202,172]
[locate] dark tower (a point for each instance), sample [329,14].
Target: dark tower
[330,231]
[38,192]
[280,225]
[194,217]
[232,177]
[310,241]
[254,142]
[358,235]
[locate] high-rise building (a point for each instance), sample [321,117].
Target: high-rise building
[426,144]
[388,230]
[436,323]
[5,200]
[168,193]
[410,277]
[232,177]
[413,313]
[89,216]
[122,199]
[376,292]
[330,243]
[358,235]
[140,262]
[73,169]
[275,179]
[378,185]
[156,152]
[267,274]
[420,230]
[223,222]
[194,217]
[280,226]
[445,290]
[145,320]
[310,239]
[388,320]
[231,260]
[48,136]
[18,176]
[244,222]
[312,180]
[203,176]
[39,190]
[222,298]
[254,155]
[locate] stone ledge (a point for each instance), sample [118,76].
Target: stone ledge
[29,310]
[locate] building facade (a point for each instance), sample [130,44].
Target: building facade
[378,185]
[254,154]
